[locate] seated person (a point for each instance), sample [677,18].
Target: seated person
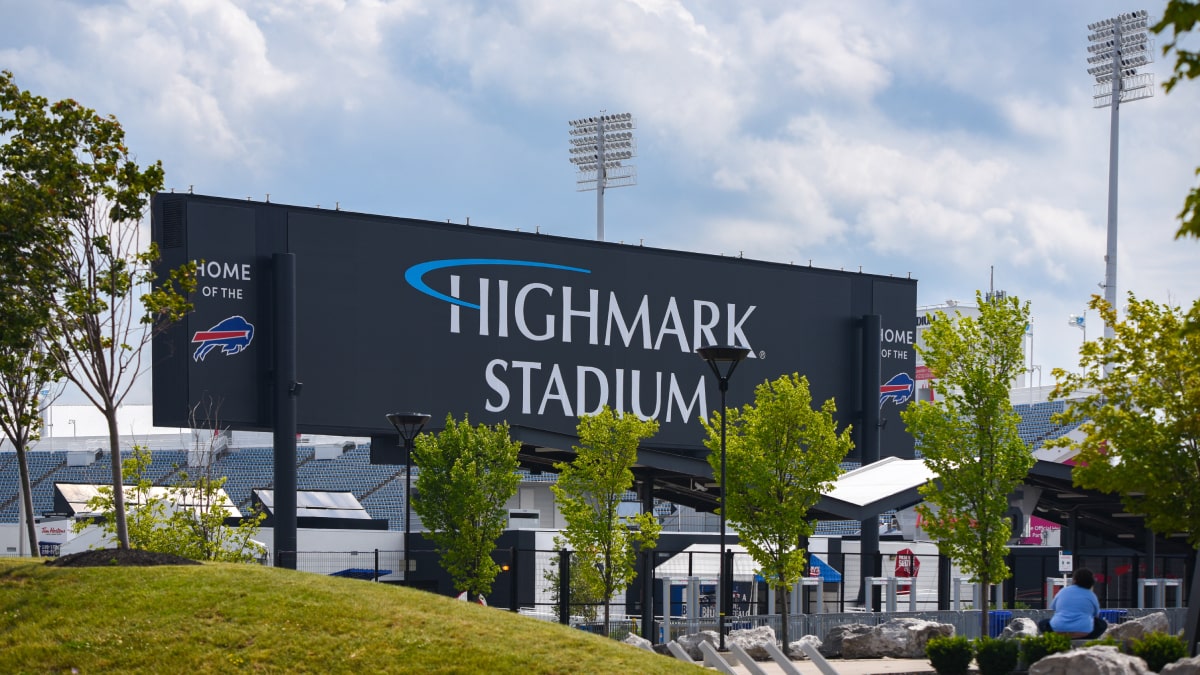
[1076,610]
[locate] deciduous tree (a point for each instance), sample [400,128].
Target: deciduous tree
[93,198]
[588,491]
[969,438]
[781,454]
[29,253]
[466,476]
[1141,420]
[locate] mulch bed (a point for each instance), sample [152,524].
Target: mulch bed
[118,557]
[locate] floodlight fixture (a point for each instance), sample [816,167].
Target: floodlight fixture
[1119,47]
[601,148]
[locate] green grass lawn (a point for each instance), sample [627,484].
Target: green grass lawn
[226,618]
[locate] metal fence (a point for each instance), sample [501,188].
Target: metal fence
[749,610]
[374,565]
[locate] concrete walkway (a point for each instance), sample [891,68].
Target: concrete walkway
[853,667]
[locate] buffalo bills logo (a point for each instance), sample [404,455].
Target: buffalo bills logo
[232,335]
[898,389]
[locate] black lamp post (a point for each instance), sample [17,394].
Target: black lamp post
[727,359]
[409,425]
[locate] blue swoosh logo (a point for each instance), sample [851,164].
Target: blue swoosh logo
[414,275]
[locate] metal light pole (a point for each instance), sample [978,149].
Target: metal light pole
[729,357]
[408,425]
[1120,46]
[598,146]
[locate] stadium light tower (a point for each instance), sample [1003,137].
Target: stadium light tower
[1120,46]
[600,149]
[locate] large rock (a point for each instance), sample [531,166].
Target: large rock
[794,650]
[831,647]
[754,641]
[1183,667]
[691,643]
[897,638]
[1136,629]
[638,641]
[1019,628]
[1091,660]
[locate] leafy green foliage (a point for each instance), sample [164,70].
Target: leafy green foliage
[586,594]
[588,490]
[995,656]
[1159,649]
[1181,17]
[1141,419]
[71,182]
[949,655]
[1035,648]
[1105,641]
[466,475]
[28,274]
[969,435]
[188,519]
[781,453]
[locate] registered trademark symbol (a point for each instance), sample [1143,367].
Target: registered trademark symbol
[762,354]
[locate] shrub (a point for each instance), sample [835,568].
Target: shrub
[996,656]
[949,655]
[1159,649]
[1034,648]
[1104,642]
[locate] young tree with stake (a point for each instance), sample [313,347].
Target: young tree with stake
[969,436]
[588,491]
[781,454]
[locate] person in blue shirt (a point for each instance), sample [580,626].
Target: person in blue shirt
[1076,610]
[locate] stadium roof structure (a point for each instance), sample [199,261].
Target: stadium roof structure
[686,478]
[75,498]
[1093,512]
[889,484]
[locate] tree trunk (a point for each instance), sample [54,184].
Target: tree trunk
[114,444]
[26,496]
[783,625]
[985,591]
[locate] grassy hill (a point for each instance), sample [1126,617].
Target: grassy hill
[223,618]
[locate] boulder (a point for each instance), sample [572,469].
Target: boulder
[794,650]
[1189,666]
[1102,660]
[638,641]
[1136,629]
[896,638]
[831,647]
[691,643]
[754,641]
[1019,628]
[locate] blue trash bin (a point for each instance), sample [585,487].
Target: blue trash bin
[1114,616]
[997,620]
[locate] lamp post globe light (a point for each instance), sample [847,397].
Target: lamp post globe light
[723,361]
[408,425]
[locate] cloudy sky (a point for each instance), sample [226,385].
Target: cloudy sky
[937,139]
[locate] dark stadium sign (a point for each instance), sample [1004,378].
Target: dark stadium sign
[400,314]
